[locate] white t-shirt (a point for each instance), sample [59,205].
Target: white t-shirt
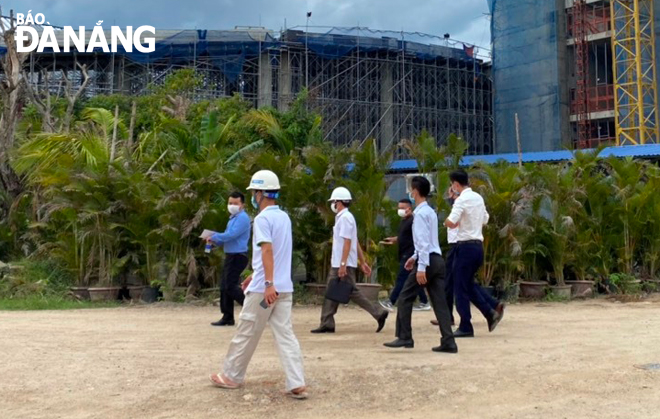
[345,228]
[272,225]
[469,211]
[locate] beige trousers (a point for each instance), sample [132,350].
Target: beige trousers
[330,307]
[251,324]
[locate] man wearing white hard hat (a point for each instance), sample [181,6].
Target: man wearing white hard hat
[346,253]
[269,293]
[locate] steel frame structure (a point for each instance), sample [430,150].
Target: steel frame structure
[388,95]
[581,102]
[635,89]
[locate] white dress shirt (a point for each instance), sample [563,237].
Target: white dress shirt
[425,235]
[469,212]
[272,225]
[345,228]
[452,235]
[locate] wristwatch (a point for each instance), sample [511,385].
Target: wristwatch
[343,264]
[268,284]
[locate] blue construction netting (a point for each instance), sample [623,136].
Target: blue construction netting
[227,50]
[339,42]
[526,74]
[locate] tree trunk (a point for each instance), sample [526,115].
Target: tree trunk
[10,93]
[132,127]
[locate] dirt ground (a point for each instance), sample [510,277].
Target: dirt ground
[545,360]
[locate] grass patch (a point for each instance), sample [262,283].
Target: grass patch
[50,303]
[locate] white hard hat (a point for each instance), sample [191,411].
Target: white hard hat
[341,194]
[264,180]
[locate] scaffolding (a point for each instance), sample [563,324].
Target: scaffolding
[365,83]
[581,102]
[633,46]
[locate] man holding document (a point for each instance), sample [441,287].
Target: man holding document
[235,242]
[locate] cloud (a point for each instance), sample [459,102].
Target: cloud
[464,20]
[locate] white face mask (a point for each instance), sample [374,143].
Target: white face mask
[334,208]
[233,209]
[401,212]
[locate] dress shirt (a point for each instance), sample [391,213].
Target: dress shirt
[469,212]
[236,236]
[345,228]
[425,235]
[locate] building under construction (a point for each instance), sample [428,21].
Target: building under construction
[366,84]
[578,73]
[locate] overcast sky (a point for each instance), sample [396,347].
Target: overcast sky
[465,20]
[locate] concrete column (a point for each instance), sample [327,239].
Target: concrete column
[387,108]
[284,95]
[265,95]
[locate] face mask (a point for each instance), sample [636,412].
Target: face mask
[255,204]
[233,209]
[411,198]
[333,207]
[401,212]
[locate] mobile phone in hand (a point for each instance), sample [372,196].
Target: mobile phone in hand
[264,304]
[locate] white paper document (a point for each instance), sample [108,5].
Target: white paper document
[206,234]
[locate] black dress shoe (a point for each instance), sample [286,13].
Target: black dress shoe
[400,343]
[461,334]
[449,349]
[500,308]
[323,329]
[381,321]
[494,320]
[223,322]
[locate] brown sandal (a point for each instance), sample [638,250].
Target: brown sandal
[298,393]
[220,382]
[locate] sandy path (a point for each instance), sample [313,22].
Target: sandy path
[544,361]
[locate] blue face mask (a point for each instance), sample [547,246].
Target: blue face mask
[411,198]
[255,204]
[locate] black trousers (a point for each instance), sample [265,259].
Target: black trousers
[230,283]
[449,280]
[435,276]
[468,259]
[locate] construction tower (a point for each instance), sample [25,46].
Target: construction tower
[634,67]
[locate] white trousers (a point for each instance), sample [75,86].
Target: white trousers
[251,324]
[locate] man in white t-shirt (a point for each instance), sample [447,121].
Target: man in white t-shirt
[269,293]
[346,253]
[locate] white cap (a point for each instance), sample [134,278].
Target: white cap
[264,180]
[341,194]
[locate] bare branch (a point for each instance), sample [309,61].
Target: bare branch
[72,98]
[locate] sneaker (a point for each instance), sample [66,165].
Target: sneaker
[387,305]
[422,307]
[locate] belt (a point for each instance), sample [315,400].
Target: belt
[236,254]
[470,242]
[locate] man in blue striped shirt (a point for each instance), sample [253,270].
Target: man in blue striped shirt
[429,272]
[235,242]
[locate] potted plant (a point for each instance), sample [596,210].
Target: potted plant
[152,293]
[105,289]
[534,250]
[583,262]
[622,283]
